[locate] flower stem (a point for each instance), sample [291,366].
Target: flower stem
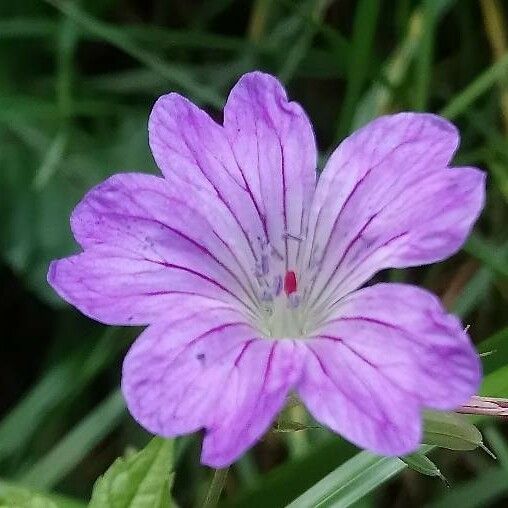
[216,486]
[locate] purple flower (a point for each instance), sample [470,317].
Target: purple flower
[247,272]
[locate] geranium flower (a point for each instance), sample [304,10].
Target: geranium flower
[247,271]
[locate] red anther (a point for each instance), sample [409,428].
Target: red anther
[290,283]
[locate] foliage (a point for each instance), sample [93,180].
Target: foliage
[140,480]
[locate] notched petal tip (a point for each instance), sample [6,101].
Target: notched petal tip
[266,88]
[437,121]
[169,103]
[260,80]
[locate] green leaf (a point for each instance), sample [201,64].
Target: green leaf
[351,482]
[422,464]
[450,430]
[302,44]
[484,82]
[142,480]
[364,31]
[73,447]
[379,96]
[53,390]
[14,496]
[51,160]
[496,383]
[26,499]
[474,293]
[277,486]
[493,256]
[432,11]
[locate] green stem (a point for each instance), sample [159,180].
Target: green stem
[216,486]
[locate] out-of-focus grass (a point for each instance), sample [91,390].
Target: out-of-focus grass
[77,85]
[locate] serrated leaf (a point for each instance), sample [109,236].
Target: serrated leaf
[451,431]
[141,480]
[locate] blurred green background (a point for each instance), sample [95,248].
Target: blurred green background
[77,81]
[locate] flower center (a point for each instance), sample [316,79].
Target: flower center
[280,312]
[281,319]
[281,294]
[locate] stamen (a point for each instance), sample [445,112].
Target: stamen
[264,264]
[277,285]
[298,238]
[294,300]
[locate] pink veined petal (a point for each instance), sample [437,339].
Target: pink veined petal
[260,165]
[190,147]
[147,243]
[118,290]
[388,351]
[387,199]
[207,369]
[274,144]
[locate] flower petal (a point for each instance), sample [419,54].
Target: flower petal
[190,147]
[389,351]
[387,199]
[146,241]
[207,369]
[261,165]
[274,144]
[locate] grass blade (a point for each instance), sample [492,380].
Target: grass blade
[63,457]
[121,40]
[482,84]
[350,482]
[17,428]
[364,30]
[11,492]
[492,256]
